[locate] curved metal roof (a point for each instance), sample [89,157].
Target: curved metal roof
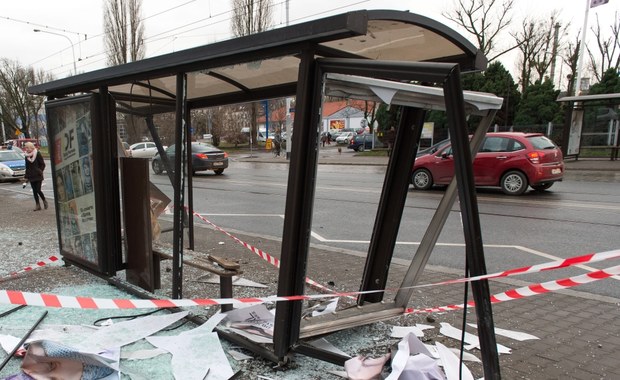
[405,94]
[266,64]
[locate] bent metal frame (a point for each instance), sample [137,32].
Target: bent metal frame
[297,61]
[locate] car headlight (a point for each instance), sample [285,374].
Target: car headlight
[5,169]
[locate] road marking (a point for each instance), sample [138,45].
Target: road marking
[517,247]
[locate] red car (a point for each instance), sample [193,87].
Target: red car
[508,160]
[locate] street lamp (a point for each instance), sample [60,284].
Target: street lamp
[69,39]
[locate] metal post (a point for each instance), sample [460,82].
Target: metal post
[177,253]
[470,217]
[391,204]
[298,211]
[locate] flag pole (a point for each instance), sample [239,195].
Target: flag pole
[582,48]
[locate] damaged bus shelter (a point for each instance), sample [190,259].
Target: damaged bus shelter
[364,54]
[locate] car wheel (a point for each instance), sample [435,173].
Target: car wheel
[361,148]
[542,186]
[219,171]
[514,183]
[158,168]
[422,179]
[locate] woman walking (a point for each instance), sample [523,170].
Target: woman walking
[34,173]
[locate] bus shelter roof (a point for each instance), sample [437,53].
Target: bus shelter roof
[266,65]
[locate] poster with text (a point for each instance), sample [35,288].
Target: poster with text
[71,129]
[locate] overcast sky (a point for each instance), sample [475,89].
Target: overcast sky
[175,25]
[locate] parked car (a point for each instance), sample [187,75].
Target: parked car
[16,149]
[204,157]
[12,165]
[143,150]
[360,143]
[345,137]
[511,161]
[21,142]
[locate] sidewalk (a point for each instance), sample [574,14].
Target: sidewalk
[579,333]
[329,155]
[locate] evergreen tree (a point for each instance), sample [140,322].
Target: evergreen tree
[609,84]
[538,105]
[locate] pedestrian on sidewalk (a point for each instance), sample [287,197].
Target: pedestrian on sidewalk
[34,173]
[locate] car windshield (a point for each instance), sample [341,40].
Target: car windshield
[10,156]
[541,142]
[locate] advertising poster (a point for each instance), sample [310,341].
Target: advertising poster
[574,137]
[72,158]
[336,124]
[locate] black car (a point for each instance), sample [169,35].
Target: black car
[204,157]
[359,143]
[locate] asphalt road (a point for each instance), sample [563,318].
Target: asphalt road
[572,218]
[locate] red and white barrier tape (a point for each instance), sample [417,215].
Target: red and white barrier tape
[37,265]
[51,300]
[551,265]
[262,254]
[557,264]
[535,289]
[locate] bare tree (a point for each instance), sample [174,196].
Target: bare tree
[608,49]
[551,32]
[251,16]
[485,20]
[124,31]
[571,57]
[538,41]
[20,110]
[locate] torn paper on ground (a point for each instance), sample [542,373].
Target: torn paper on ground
[123,333]
[451,364]
[254,322]
[364,368]
[325,308]
[402,331]
[516,335]
[470,339]
[196,354]
[142,354]
[8,342]
[239,356]
[50,360]
[413,361]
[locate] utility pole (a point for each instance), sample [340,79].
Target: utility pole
[2,123]
[554,51]
[582,49]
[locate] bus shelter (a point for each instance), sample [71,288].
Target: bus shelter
[341,55]
[593,124]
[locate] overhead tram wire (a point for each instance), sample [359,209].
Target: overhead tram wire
[152,38]
[94,36]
